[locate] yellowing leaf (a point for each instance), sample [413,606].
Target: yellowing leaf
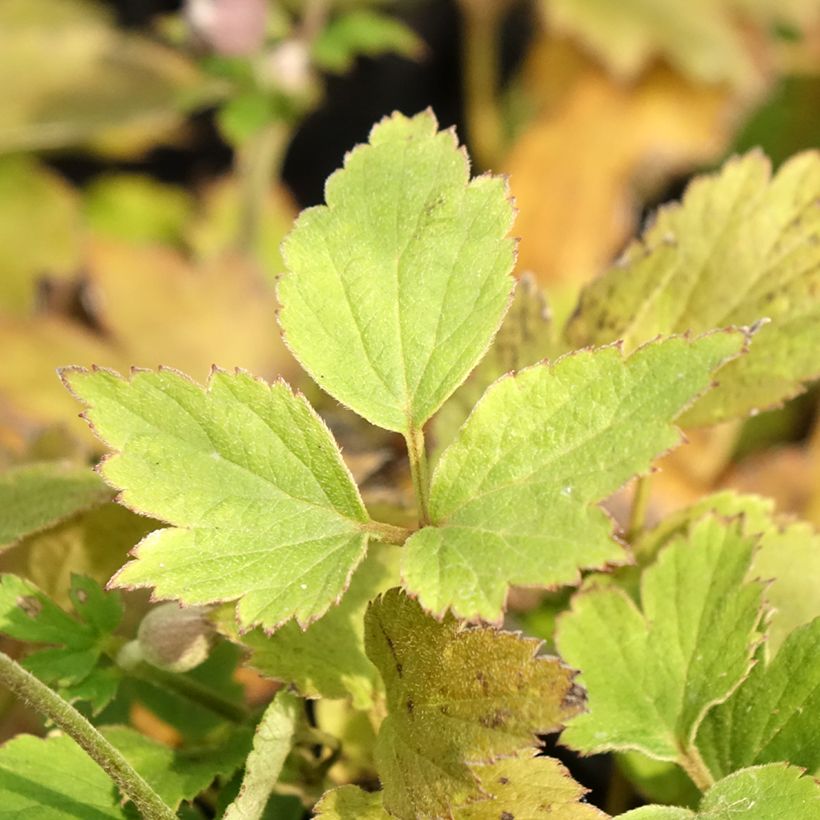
[455,697]
[263,509]
[741,247]
[514,498]
[396,287]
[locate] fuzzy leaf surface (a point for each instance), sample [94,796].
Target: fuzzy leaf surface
[36,496]
[54,779]
[514,498]
[774,714]
[772,792]
[455,696]
[652,673]
[262,507]
[327,659]
[397,285]
[271,745]
[71,660]
[742,246]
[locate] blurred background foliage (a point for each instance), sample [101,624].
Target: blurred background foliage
[153,154]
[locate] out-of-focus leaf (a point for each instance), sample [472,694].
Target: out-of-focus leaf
[581,169]
[34,497]
[137,209]
[79,78]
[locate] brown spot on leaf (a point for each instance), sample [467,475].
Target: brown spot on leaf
[31,605]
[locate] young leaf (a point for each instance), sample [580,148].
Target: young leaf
[180,774]
[742,246]
[327,660]
[455,697]
[396,287]
[652,674]
[774,714]
[351,803]
[261,504]
[36,496]
[76,646]
[514,497]
[271,745]
[773,792]
[54,779]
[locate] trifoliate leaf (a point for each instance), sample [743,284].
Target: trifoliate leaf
[76,646]
[455,697]
[263,508]
[327,660]
[773,792]
[774,714]
[513,499]
[652,673]
[180,774]
[742,246]
[54,779]
[395,287]
[36,496]
[519,787]
[525,337]
[271,745]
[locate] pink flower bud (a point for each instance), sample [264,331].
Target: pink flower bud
[234,28]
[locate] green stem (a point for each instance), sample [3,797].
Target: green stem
[49,704]
[258,162]
[481,60]
[640,506]
[388,533]
[692,763]
[419,472]
[619,794]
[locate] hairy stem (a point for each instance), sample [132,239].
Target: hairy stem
[692,763]
[388,533]
[419,472]
[640,505]
[49,704]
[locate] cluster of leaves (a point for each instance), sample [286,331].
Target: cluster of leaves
[398,300]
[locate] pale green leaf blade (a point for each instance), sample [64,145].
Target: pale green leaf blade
[327,659]
[651,674]
[271,745]
[180,774]
[455,696]
[34,497]
[262,507]
[742,246]
[773,792]
[54,779]
[514,497]
[775,713]
[396,287]
[351,803]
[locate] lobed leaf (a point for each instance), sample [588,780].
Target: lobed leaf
[513,499]
[742,246]
[396,287]
[262,507]
[455,697]
[652,673]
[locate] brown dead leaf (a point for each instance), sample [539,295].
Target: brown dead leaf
[581,169]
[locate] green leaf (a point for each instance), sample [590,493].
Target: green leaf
[36,496]
[76,646]
[525,337]
[773,792]
[180,774]
[514,497]
[54,779]
[455,697]
[327,659]
[774,714]
[271,745]
[262,506]
[396,287]
[742,246]
[351,803]
[362,32]
[652,673]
